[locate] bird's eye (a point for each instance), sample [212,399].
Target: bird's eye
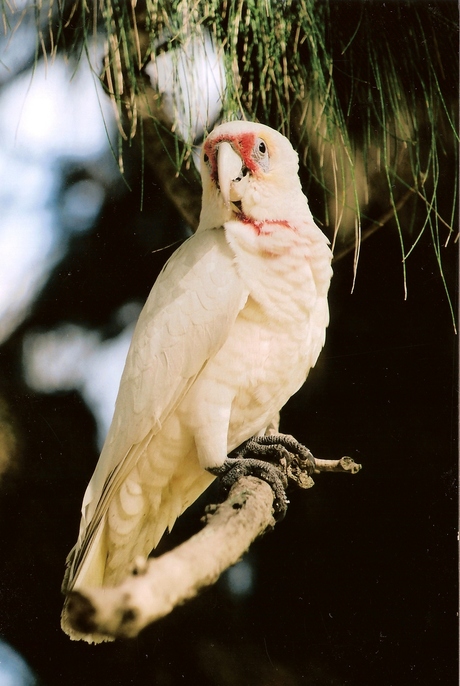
[205,158]
[260,154]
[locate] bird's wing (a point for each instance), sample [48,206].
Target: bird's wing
[185,321]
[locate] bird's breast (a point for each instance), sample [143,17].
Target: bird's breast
[261,364]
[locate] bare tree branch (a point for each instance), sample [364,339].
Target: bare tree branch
[152,592]
[345,465]
[158,585]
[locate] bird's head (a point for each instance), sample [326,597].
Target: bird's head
[249,171]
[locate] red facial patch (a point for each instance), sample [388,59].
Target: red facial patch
[243,145]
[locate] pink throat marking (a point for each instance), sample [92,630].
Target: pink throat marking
[258,225]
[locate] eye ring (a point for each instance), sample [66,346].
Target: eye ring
[260,154]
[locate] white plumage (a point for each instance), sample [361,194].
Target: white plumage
[229,332]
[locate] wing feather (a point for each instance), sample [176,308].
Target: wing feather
[185,321]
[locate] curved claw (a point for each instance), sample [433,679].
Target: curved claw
[234,468]
[293,458]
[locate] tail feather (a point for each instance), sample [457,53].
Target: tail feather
[132,525]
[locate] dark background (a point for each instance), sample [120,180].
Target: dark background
[358,585]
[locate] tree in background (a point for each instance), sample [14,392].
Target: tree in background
[368,93]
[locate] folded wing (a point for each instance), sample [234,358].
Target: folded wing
[185,321]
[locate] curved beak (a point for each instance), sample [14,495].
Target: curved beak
[229,170]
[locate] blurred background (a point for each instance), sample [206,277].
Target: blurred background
[358,585]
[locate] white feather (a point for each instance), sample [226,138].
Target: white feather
[185,321]
[229,332]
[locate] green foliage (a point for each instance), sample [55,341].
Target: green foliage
[366,90]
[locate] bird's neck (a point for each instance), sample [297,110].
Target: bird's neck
[283,266]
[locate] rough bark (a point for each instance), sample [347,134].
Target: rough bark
[158,585]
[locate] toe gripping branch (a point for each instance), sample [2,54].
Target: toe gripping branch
[281,461]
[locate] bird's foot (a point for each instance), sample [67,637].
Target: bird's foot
[277,459]
[234,469]
[291,457]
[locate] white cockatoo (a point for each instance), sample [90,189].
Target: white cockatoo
[230,330]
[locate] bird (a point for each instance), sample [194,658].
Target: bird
[231,328]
